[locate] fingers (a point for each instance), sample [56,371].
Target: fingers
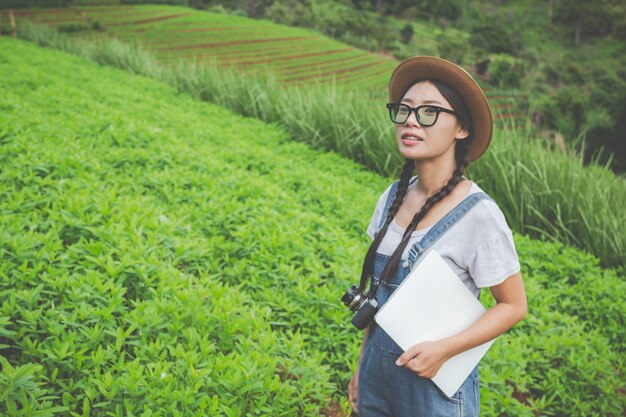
[419,361]
[419,368]
[408,355]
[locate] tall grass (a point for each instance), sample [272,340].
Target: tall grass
[543,192]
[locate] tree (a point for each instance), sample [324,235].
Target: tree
[584,17]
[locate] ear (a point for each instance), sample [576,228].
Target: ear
[462,132]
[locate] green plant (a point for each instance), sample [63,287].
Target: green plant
[506,71]
[21,394]
[492,36]
[157,260]
[347,122]
[452,47]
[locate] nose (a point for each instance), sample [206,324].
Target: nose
[412,120]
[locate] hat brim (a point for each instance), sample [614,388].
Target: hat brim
[420,67]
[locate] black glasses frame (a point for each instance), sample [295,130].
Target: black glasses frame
[416,110]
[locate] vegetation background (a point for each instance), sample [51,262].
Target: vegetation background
[124,222]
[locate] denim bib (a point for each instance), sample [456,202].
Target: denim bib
[386,389]
[385,289]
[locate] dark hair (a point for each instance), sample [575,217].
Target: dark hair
[461,159]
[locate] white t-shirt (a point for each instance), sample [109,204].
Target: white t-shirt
[479,247]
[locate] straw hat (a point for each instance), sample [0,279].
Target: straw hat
[419,67]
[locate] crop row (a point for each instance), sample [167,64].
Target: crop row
[166,257]
[177,33]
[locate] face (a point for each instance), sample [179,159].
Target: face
[417,142]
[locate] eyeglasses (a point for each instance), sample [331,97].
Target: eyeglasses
[426,115]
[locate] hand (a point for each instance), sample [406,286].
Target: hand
[425,359]
[353,391]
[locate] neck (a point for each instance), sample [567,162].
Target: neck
[434,174]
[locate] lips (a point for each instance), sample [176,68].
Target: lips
[411,136]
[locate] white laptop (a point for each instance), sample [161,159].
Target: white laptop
[431,304]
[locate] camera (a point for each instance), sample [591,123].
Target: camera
[364,307]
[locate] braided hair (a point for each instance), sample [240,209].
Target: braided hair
[461,159]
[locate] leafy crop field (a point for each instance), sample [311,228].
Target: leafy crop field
[296,56]
[164,256]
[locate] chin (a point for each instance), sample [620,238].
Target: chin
[412,153]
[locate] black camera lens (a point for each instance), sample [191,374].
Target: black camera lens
[349,295]
[353,298]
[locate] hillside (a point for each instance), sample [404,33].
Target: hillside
[295,56]
[158,260]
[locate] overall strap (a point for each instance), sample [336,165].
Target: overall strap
[442,226]
[390,197]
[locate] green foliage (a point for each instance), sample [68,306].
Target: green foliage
[163,256]
[506,71]
[587,18]
[21,394]
[406,33]
[564,344]
[439,10]
[291,13]
[492,36]
[349,123]
[129,313]
[73,27]
[584,103]
[518,28]
[452,47]
[565,109]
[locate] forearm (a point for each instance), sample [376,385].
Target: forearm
[492,324]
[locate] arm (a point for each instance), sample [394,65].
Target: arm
[426,358]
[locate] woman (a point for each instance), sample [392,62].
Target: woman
[443,121]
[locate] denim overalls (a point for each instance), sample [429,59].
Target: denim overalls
[388,390]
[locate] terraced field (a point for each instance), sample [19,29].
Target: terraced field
[295,55]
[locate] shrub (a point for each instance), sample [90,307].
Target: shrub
[565,109]
[292,13]
[73,27]
[506,71]
[492,36]
[406,33]
[452,47]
